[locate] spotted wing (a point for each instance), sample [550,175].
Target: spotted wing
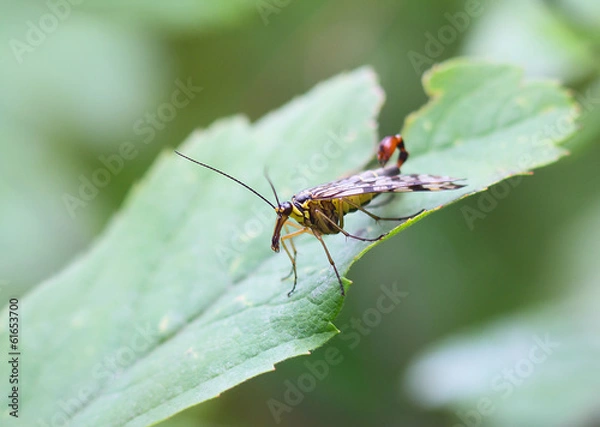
[382,181]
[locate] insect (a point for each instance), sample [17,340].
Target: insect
[320,210]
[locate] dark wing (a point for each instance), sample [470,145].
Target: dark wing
[377,182]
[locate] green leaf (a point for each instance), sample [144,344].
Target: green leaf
[539,38]
[181,299]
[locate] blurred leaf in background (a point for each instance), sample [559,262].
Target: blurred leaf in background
[508,372]
[537,35]
[72,88]
[181,18]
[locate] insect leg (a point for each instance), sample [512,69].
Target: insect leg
[379,218]
[293,249]
[293,224]
[339,206]
[320,239]
[344,232]
[384,202]
[292,258]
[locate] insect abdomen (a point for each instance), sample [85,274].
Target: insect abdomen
[349,203]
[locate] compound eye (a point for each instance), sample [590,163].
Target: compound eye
[287,208]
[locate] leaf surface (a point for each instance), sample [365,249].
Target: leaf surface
[180,298]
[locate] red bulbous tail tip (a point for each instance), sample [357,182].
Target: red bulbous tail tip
[386,149]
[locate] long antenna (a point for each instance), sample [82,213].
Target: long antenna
[272,186]
[230,177]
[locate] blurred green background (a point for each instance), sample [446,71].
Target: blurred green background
[75,87]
